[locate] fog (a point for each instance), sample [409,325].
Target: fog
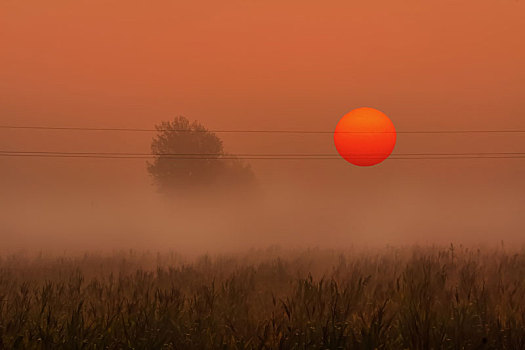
[261,65]
[323,203]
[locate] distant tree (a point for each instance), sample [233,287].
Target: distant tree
[189,157]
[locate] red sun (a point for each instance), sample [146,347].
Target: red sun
[365,136]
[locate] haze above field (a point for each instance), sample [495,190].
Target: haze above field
[435,65]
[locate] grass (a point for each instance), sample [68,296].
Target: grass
[406,298]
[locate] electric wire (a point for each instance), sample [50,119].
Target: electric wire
[237,155]
[263,157]
[251,131]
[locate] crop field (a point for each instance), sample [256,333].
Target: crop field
[393,298]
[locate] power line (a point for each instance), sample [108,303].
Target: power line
[64,128]
[520,156]
[237,155]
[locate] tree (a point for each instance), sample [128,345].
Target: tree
[188,157]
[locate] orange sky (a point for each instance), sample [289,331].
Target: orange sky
[257,62]
[268,64]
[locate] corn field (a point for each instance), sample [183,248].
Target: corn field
[393,298]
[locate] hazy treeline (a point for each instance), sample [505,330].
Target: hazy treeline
[410,298]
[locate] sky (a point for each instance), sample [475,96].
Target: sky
[432,65]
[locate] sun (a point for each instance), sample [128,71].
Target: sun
[365,136]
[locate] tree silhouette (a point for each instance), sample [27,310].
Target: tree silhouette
[188,157]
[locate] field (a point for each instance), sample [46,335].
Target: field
[393,298]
